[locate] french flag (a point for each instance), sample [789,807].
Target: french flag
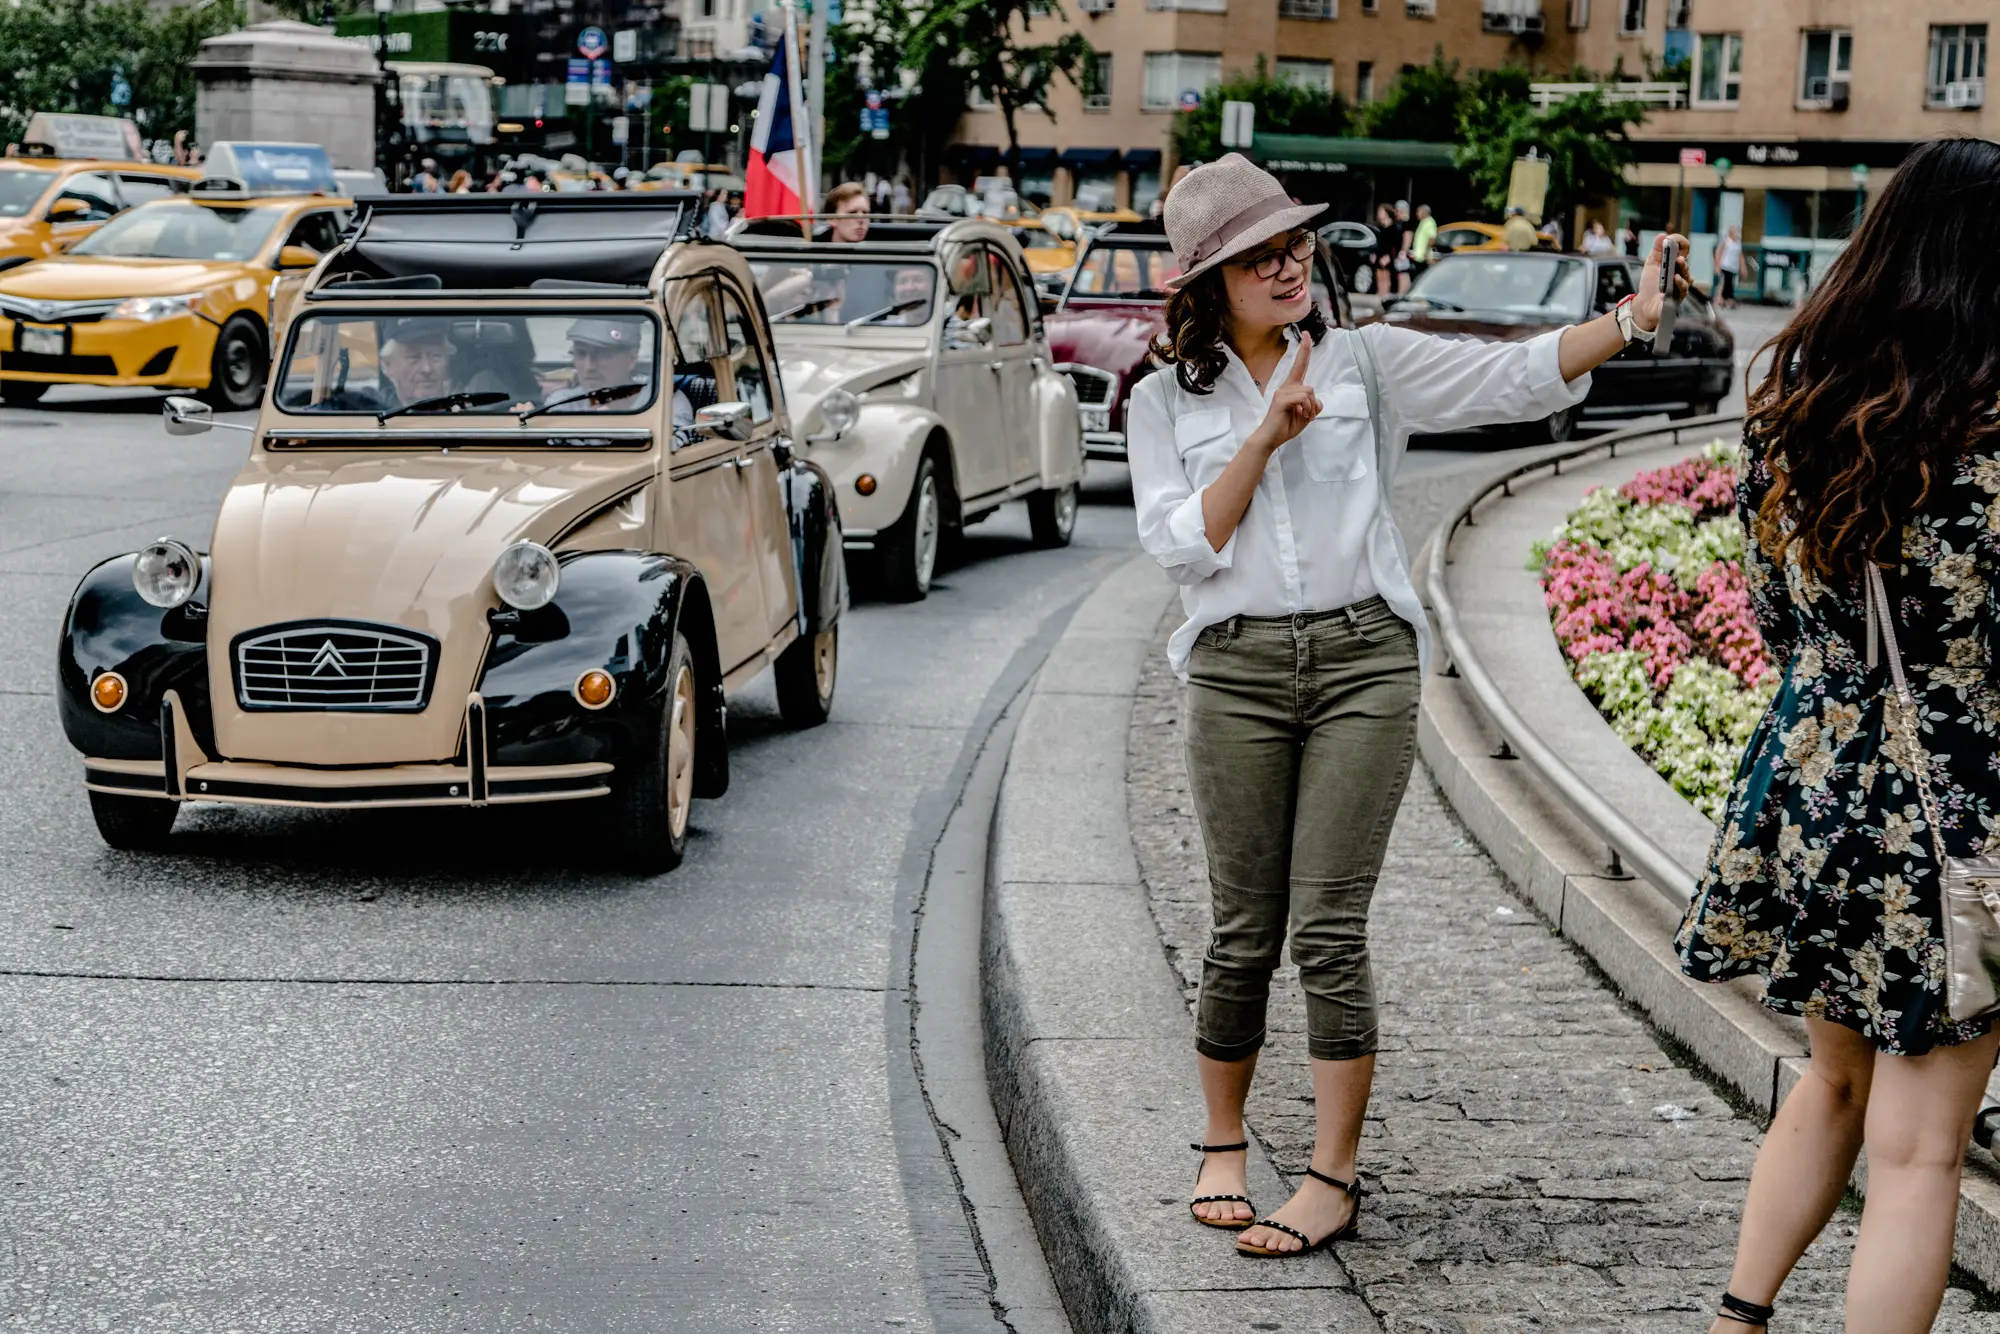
[779,181]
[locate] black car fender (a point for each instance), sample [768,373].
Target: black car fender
[816,546]
[108,627]
[614,610]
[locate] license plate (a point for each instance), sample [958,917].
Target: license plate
[39,341]
[1096,419]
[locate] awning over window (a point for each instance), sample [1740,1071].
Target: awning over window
[972,155]
[1310,152]
[1100,158]
[1037,157]
[1142,159]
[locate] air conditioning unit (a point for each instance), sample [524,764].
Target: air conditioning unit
[1819,88]
[1965,94]
[1837,95]
[1097,6]
[1516,24]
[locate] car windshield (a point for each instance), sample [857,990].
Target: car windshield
[182,231]
[19,189]
[1125,272]
[380,362]
[1536,285]
[895,293]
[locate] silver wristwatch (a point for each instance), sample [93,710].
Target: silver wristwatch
[1627,328]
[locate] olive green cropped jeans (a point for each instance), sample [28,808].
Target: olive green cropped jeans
[1300,735]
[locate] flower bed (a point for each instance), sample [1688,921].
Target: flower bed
[1644,585]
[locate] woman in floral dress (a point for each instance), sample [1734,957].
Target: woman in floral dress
[1878,442]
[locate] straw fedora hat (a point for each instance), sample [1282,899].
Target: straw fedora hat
[1223,208]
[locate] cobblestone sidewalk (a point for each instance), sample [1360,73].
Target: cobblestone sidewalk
[1538,1162]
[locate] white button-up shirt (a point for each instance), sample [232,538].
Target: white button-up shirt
[1318,534]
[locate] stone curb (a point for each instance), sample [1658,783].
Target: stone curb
[1089,1045]
[1626,928]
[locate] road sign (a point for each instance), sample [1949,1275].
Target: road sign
[1694,157]
[621,130]
[576,85]
[600,76]
[708,107]
[1190,98]
[625,45]
[1239,119]
[591,43]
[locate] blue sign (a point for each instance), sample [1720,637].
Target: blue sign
[579,71]
[592,43]
[600,74]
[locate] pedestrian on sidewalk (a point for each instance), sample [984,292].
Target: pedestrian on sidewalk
[1261,460]
[1422,242]
[1728,265]
[1871,478]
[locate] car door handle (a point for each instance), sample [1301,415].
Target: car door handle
[747,461]
[995,366]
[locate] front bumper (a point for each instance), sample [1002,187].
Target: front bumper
[185,773]
[1104,445]
[175,352]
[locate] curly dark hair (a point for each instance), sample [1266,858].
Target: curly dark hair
[1890,372]
[1198,320]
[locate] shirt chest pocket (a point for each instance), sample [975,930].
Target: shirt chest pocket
[1205,443]
[1338,443]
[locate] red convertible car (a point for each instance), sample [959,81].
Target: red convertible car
[1113,308]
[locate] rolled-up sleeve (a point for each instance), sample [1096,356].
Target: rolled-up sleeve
[1171,526]
[1432,383]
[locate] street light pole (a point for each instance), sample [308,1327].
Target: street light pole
[382,9]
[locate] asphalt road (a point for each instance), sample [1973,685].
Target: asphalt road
[418,1073]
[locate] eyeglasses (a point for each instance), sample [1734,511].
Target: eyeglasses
[1271,263]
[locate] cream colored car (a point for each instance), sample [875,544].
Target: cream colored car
[921,380]
[520,511]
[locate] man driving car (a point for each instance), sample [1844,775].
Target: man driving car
[416,360]
[604,351]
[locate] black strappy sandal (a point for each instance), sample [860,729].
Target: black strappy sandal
[1306,1244]
[1745,1313]
[1226,1224]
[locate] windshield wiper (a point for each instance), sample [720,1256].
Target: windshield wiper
[1434,303]
[610,393]
[483,398]
[805,308]
[896,309]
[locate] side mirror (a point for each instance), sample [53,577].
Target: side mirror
[187,416]
[297,257]
[979,331]
[727,421]
[68,210]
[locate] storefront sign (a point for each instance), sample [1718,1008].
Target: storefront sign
[1777,155]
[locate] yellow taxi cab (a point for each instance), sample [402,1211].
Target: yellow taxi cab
[72,179]
[1458,236]
[176,293]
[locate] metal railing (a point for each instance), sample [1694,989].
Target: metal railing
[1630,846]
[1667,95]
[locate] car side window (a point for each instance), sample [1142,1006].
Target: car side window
[1614,284]
[317,232]
[746,358]
[139,188]
[96,192]
[1009,316]
[700,363]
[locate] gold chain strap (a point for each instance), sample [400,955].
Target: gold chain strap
[1878,613]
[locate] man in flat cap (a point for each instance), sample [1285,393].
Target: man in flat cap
[604,350]
[416,360]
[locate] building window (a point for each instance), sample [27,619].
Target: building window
[1719,68]
[1364,81]
[1308,9]
[1677,13]
[1204,6]
[1169,74]
[1958,65]
[977,99]
[1314,74]
[1579,15]
[1097,82]
[1631,17]
[1368,6]
[1420,9]
[1824,60]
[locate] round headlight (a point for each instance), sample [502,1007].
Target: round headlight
[526,576]
[840,409]
[166,573]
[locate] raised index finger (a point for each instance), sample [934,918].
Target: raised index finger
[1298,374]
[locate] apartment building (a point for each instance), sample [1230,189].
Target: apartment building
[1109,139]
[1811,103]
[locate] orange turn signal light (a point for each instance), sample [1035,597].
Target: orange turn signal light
[107,692]
[865,484]
[595,688]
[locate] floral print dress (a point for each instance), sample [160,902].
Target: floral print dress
[1822,877]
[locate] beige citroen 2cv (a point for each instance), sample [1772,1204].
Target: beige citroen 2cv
[520,511]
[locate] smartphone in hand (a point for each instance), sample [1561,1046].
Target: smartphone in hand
[1670,263]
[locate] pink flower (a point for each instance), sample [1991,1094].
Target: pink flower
[1700,485]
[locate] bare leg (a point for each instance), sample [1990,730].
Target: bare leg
[1225,1087]
[1919,1119]
[1803,1167]
[1340,1099]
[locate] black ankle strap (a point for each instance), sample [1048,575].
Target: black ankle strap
[1219,1148]
[1351,1187]
[1745,1313]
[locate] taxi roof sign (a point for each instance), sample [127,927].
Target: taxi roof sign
[248,169]
[106,138]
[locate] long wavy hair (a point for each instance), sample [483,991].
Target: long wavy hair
[1889,374]
[1197,325]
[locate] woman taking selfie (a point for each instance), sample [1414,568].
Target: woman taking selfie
[1261,460]
[1870,474]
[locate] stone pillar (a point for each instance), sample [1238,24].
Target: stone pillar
[288,82]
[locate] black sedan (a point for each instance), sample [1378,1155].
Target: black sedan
[1502,296]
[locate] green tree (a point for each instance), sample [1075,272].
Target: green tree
[1283,107]
[67,55]
[1584,137]
[988,43]
[1421,104]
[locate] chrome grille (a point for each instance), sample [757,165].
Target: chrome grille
[334,666]
[1094,387]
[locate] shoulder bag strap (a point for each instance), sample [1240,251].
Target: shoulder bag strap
[1877,613]
[1364,357]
